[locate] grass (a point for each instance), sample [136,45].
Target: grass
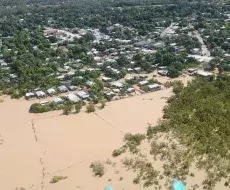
[56,179]
[98,168]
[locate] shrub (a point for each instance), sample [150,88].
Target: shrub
[98,168]
[90,107]
[102,104]
[78,107]
[56,179]
[118,152]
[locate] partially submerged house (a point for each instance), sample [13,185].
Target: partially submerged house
[51,91]
[58,100]
[40,94]
[63,89]
[30,95]
[142,83]
[117,84]
[83,95]
[72,98]
[152,87]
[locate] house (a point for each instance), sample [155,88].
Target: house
[130,90]
[63,89]
[129,78]
[191,70]
[30,95]
[72,88]
[45,102]
[143,76]
[51,91]
[162,72]
[61,77]
[100,64]
[90,83]
[117,84]
[142,83]
[203,73]
[83,95]
[116,90]
[40,94]
[106,79]
[195,51]
[97,58]
[72,98]
[129,70]
[152,87]
[109,94]
[137,69]
[57,100]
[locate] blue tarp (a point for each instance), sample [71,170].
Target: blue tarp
[108,188]
[178,185]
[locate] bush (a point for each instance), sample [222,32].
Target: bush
[38,108]
[78,107]
[118,152]
[98,168]
[56,179]
[90,107]
[177,86]
[102,104]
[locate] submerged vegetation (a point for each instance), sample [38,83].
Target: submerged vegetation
[194,134]
[56,179]
[98,168]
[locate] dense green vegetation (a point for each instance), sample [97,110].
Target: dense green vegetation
[35,60]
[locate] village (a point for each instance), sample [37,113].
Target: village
[113,82]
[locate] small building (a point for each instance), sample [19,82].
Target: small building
[129,70]
[162,72]
[30,95]
[143,76]
[45,102]
[142,83]
[152,87]
[72,98]
[51,91]
[106,79]
[137,69]
[83,95]
[204,73]
[130,90]
[40,94]
[117,84]
[72,88]
[63,89]
[90,83]
[191,70]
[57,100]
[195,51]
[116,90]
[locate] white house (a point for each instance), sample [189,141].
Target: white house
[72,98]
[51,91]
[83,95]
[117,84]
[40,94]
[154,87]
[144,82]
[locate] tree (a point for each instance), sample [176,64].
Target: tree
[52,39]
[173,72]
[122,61]
[78,107]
